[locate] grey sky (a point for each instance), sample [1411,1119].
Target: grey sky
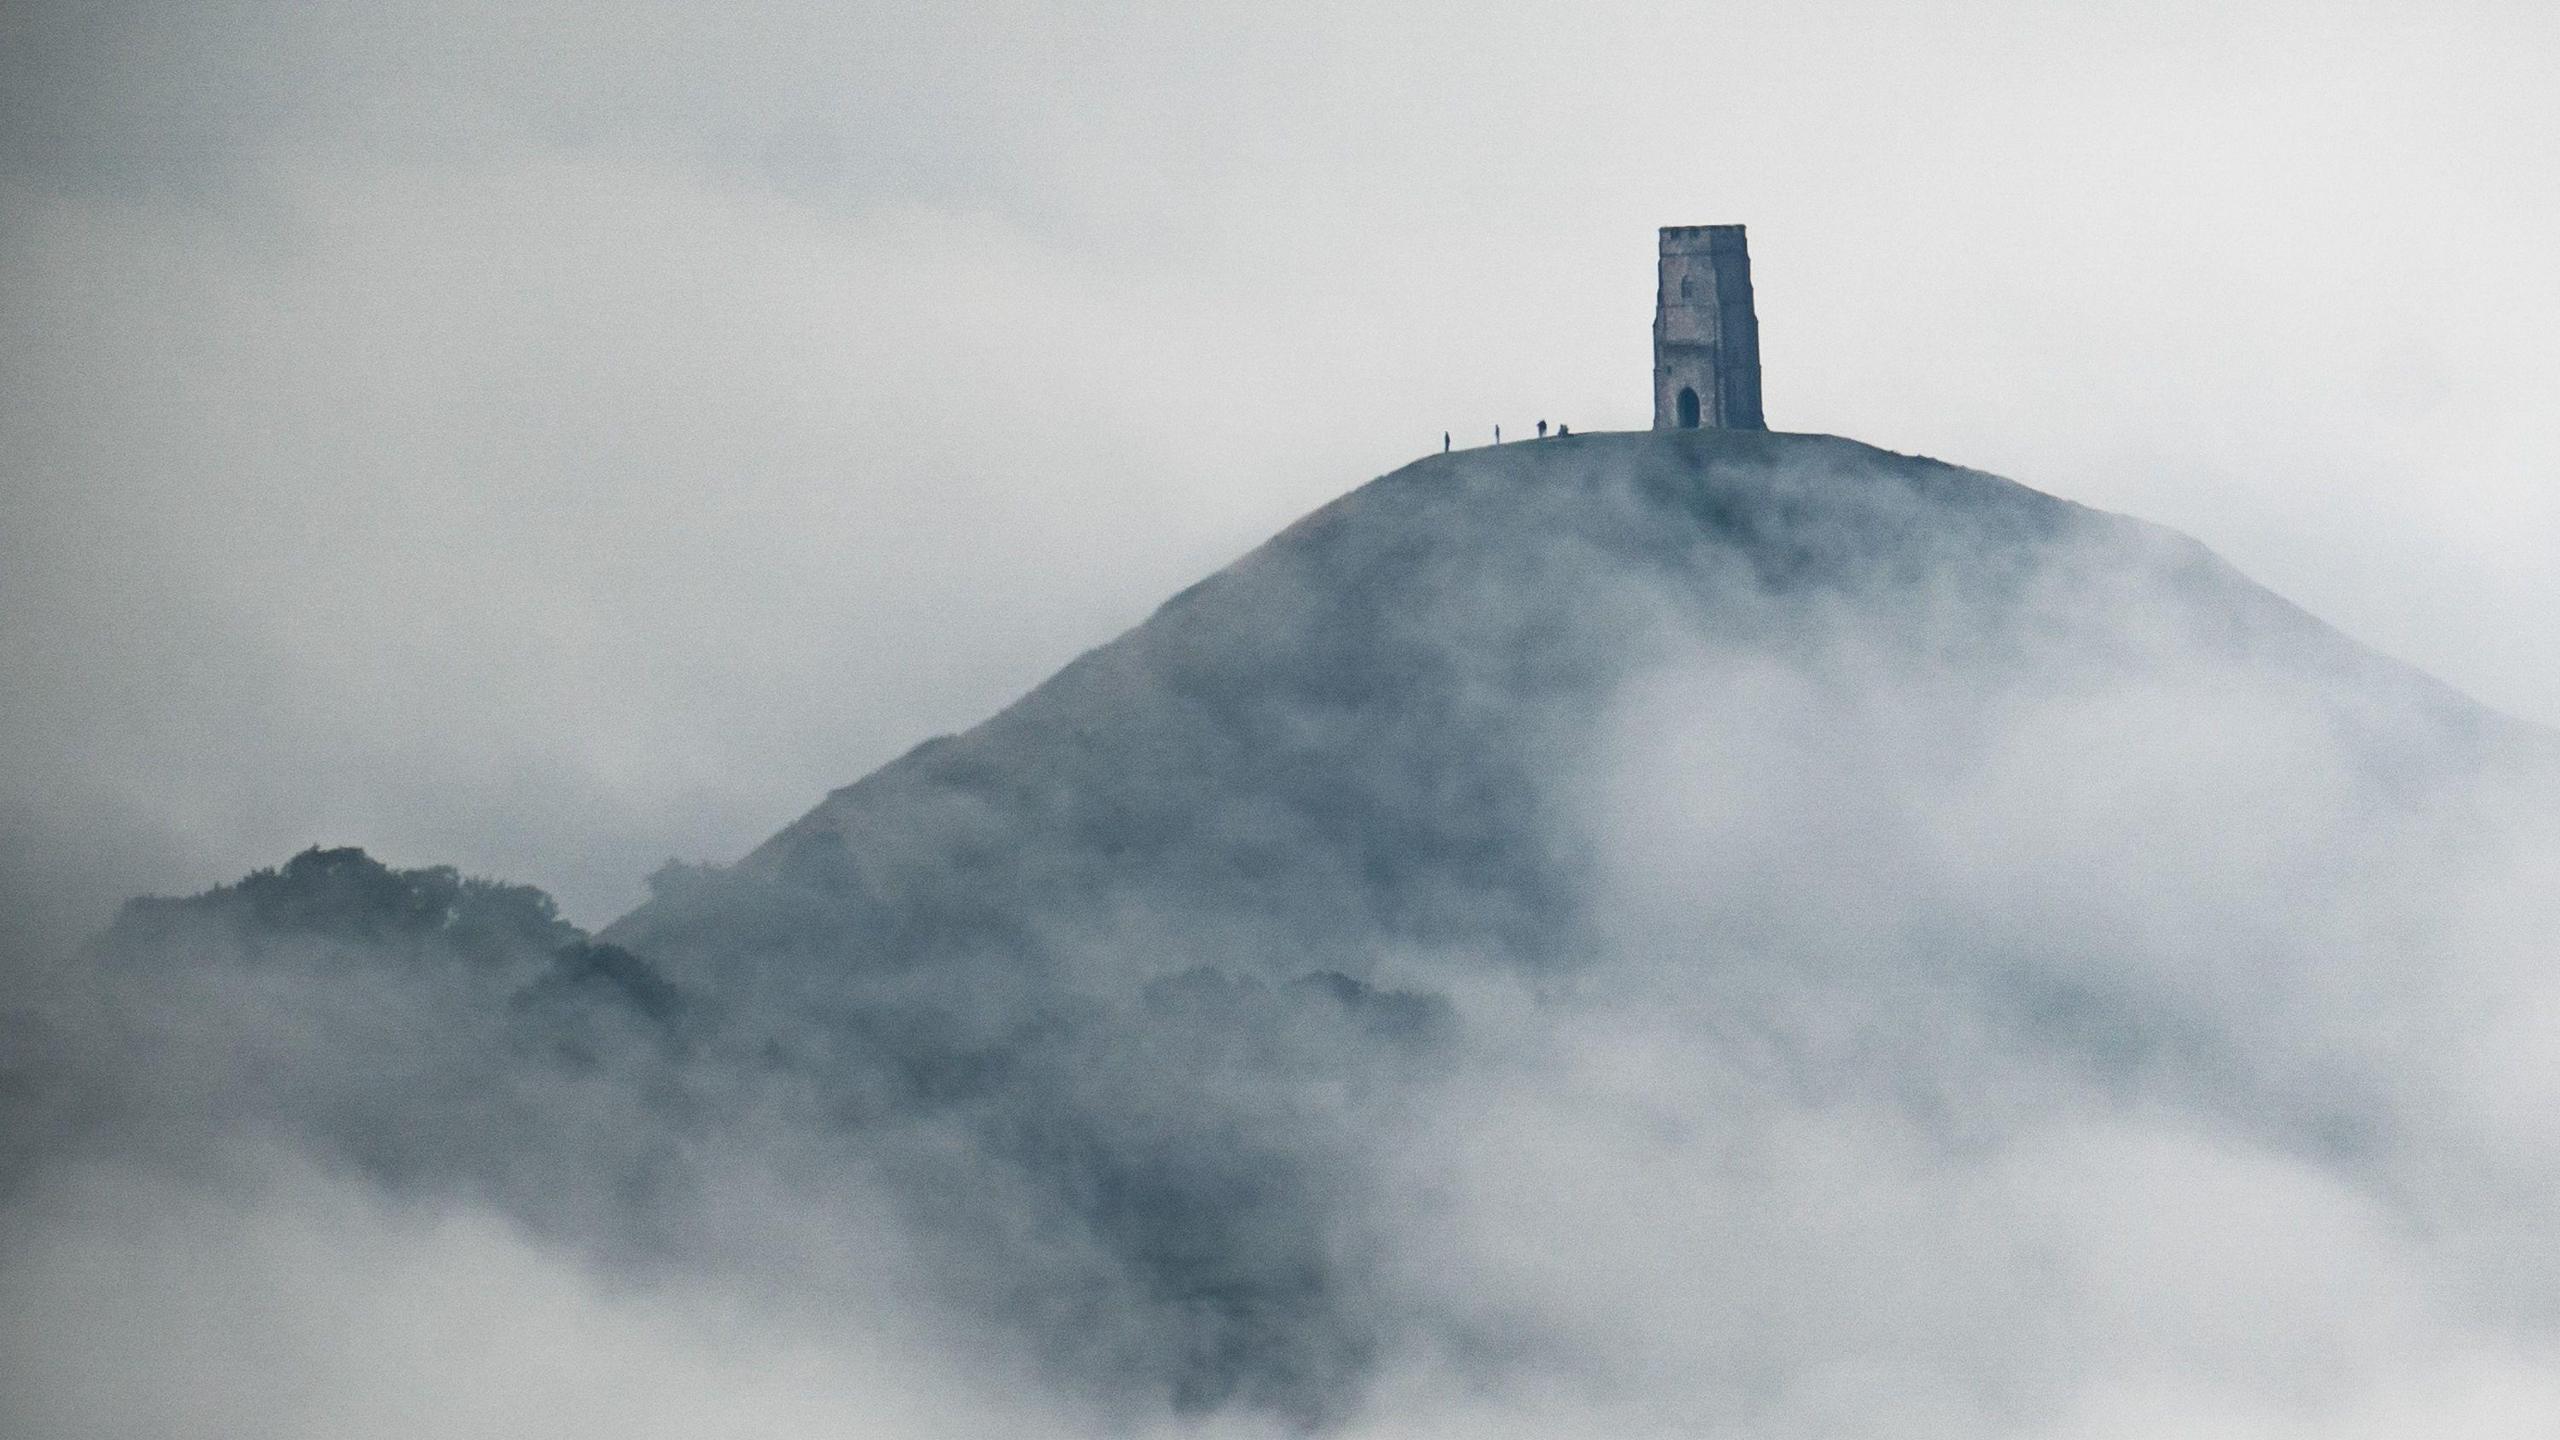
[551,439]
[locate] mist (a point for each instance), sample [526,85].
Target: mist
[1572,942]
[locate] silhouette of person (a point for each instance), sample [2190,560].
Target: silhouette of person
[1562,429]
[1542,429]
[1497,434]
[1444,442]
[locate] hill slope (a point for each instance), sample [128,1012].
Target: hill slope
[1352,737]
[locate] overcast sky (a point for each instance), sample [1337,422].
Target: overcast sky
[552,438]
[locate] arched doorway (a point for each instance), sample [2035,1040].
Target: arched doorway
[1688,408]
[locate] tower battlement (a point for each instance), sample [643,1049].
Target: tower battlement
[1706,337]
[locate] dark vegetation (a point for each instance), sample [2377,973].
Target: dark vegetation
[347,899]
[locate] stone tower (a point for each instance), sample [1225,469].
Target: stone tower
[1706,340]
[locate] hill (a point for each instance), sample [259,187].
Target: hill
[1663,919]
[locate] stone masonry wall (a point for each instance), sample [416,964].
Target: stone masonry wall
[1706,336]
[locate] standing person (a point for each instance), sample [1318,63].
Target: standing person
[1444,442]
[1542,429]
[1497,434]
[1562,429]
